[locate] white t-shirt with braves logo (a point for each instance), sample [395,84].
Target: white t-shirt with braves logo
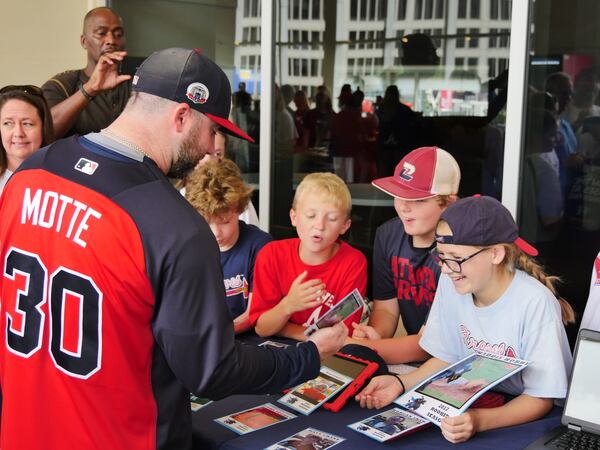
[525,323]
[591,316]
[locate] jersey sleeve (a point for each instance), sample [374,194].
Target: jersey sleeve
[191,327]
[383,282]
[266,292]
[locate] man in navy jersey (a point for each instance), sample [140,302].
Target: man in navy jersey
[112,300]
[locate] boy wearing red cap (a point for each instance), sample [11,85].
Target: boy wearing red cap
[405,274]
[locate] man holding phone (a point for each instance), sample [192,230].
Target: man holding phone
[89,99]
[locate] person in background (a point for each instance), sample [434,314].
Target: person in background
[90,99]
[560,86]
[302,109]
[492,297]
[297,280]
[405,273]
[217,191]
[583,103]
[25,126]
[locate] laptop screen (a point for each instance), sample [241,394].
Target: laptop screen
[584,393]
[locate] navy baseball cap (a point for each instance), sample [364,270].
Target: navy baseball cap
[481,221]
[187,76]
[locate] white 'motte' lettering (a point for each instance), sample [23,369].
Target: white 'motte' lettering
[41,210]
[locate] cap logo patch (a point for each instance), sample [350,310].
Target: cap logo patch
[198,93]
[86,166]
[408,171]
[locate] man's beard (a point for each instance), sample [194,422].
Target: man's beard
[188,155]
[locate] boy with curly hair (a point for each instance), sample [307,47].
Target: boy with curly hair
[218,192]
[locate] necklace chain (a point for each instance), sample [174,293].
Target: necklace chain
[125,142]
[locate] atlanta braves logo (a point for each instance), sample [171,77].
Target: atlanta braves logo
[198,93]
[472,343]
[407,171]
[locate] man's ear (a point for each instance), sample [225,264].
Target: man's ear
[83,41]
[181,116]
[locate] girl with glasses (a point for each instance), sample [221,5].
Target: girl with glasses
[25,126]
[491,297]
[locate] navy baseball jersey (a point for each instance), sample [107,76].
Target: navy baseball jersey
[113,307]
[238,267]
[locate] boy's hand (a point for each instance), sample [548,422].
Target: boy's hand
[459,428]
[364,332]
[329,340]
[380,392]
[303,294]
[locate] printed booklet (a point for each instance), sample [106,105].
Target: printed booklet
[390,425]
[253,419]
[308,396]
[308,438]
[452,390]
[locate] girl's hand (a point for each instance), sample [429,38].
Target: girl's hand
[460,428]
[380,392]
[365,332]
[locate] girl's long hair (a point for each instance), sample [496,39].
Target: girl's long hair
[516,259]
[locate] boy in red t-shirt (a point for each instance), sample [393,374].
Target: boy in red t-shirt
[297,280]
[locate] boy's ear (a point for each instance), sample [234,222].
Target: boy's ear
[346,226]
[293,217]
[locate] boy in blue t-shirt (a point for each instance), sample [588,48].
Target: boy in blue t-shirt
[405,274]
[218,192]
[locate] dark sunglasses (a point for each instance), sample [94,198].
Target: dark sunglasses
[27,88]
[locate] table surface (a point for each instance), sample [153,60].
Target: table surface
[210,435]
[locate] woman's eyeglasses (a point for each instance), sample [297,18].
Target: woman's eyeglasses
[455,265]
[27,88]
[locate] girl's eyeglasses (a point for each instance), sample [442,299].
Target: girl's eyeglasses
[28,88]
[455,265]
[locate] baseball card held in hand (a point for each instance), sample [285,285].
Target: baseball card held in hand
[340,312]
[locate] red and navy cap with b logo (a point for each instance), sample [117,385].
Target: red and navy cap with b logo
[187,76]
[423,173]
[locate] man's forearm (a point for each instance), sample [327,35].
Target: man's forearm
[259,370]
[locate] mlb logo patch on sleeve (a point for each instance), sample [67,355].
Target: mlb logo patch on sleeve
[86,166]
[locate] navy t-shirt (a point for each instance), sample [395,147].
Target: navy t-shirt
[238,267]
[400,270]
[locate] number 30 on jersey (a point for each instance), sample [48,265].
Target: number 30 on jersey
[81,357]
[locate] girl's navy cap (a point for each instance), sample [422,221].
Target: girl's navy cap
[482,221]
